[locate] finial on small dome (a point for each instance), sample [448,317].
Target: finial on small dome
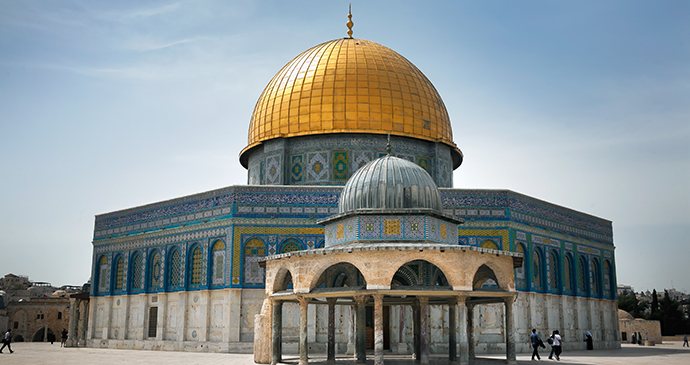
[350,24]
[388,146]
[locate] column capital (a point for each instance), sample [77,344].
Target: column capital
[423,300]
[510,299]
[377,296]
[361,298]
[452,301]
[303,300]
[331,301]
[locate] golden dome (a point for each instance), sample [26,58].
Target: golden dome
[350,86]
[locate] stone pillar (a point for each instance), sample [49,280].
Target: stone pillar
[360,329]
[277,333]
[510,331]
[73,323]
[378,329]
[463,326]
[452,327]
[351,331]
[424,330]
[331,330]
[415,330]
[83,321]
[303,329]
[470,332]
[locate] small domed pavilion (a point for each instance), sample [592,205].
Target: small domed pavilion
[389,244]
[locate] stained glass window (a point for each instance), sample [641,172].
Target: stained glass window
[155,270]
[103,273]
[537,267]
[520,279]
[582,276]
[594,277]
[290,247]
[568,273]
[175,269]
[196,266]
[119,272]
[489,244]
[218,251]
[137,269]
[254,250]
[554,272]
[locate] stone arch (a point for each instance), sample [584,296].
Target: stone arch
[419,273]
[502,276]
[482,277]
[342,274]
[40,334]
[282,280]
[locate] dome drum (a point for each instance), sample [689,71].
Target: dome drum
[332,159]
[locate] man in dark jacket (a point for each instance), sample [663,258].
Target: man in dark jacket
[6,341]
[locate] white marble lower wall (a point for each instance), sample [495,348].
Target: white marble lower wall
[223,321]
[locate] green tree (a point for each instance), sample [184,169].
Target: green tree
[628,302]
[655,315]
[671,315]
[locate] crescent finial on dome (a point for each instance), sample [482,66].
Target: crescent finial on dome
[350,24]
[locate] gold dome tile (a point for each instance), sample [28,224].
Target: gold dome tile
[350,86]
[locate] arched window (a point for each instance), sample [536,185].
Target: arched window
[538,269]
[582,277]
[136,270]
[595,278]
[119,272]
[196,264]
[102,272]
[568,271]
[155,271]
[254,250]
[174,268]
[218,263]
[520,279]
[554,272]
[489,244]
[608,280]
[289,246]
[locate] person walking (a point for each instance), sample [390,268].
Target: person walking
[550,342]
[590,341]
[535,342]
[685,341]
[6,341]
[557,344]
[63,338]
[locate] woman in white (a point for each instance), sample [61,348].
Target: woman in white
[557,341]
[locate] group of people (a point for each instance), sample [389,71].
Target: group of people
[554,340]
[7,340]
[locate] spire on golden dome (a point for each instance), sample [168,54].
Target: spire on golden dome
[350,24]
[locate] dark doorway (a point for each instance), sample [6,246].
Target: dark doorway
[370,328]
[40,334]
[153,321]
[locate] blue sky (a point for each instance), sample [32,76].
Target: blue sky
[113,104]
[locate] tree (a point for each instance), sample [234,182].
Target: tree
[628,302]
[655,307]
[671,316]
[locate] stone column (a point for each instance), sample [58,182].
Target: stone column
[303,328]
[83,321]
[73,322]
[510,331]
[331,330]
[351,331]
[470,332]
[378,329]
[463,326]
[452,327]
[360,329]
[415,330]
[277,333]
[424,330]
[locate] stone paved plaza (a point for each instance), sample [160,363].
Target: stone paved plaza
[670,353]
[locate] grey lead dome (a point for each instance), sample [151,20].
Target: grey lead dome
[390,183]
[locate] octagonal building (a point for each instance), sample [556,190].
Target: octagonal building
[203,272]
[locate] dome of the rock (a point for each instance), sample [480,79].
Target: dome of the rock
[350,85]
